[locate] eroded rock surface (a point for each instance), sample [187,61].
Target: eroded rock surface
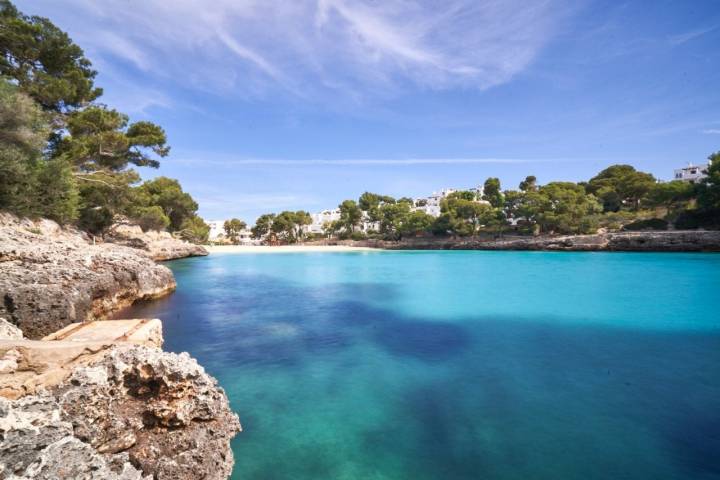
[51,277]
[136,413]
[159,245]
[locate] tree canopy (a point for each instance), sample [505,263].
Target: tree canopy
[44,61]
[66,157]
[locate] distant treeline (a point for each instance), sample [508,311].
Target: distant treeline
[619,197]
[64,155]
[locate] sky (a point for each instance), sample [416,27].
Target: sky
[274,104]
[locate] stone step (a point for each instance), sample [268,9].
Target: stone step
[143,331]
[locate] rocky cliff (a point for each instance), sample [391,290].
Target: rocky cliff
[115,412]
[159,245]
[51,277]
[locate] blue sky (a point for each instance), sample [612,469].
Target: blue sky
[273,105]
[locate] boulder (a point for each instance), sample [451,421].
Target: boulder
[159,245]
[137,412]
[51,277]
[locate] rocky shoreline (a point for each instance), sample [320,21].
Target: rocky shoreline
[53,276]
[106,409]
[647,241]
[109,410]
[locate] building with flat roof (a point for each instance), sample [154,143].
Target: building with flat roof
[691,173]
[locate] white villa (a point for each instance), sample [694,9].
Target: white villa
[691,173]
[431,204]
[217,232]
[321,218]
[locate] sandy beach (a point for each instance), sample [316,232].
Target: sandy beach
[285,249]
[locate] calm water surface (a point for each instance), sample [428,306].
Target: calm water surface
[459,365]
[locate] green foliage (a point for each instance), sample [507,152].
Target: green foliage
[177,205]
[371,202]
[103,195]
[350,215]
[568,209]
[392,216]
[648,224]
[670,194]
[195,230]
[29,184]
[358,236]
[492,192]
[709,189]
[233,227]
[700,218]
[462,216]
[151,218]
[56,191]
[416,223]
[286,226]
[44,61]
[262,225]
[462,195]
[620,185]
[65,158]
[99,139]
[529,184]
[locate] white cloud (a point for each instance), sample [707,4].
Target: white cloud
[681,38]
[310,46]
[238,162]
[712,131]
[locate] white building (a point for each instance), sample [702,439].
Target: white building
[217,232]
[691,173]
[320,219]
[431,204]
[216,229]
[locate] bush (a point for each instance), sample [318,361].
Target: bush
[95,219]
[692,219]
[358,236]
[649,224]
[152,218]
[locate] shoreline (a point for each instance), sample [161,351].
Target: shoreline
[239,249]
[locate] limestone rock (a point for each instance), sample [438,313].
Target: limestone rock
[51,277]
[135,413]
[37,443]
[161,408]
[8,331]
[159,245]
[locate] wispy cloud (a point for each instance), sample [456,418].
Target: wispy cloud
[685,37]
[233,162]
[712,131]
[358,47]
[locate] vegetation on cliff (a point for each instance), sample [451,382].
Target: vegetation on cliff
[67,157]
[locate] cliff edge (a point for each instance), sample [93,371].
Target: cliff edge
[52,276]
[85,407]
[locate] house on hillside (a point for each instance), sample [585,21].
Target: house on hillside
[691,173]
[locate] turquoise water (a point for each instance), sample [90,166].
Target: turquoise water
[459,365]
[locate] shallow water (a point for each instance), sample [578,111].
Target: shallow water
[459,365]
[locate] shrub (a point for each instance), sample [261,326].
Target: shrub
[692,219]
[649,224]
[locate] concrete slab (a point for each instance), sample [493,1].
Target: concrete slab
[139,331]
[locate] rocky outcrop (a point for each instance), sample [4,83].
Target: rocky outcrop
[137,412]
[657,241]
[51,277]
[8,331]
[160,245]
